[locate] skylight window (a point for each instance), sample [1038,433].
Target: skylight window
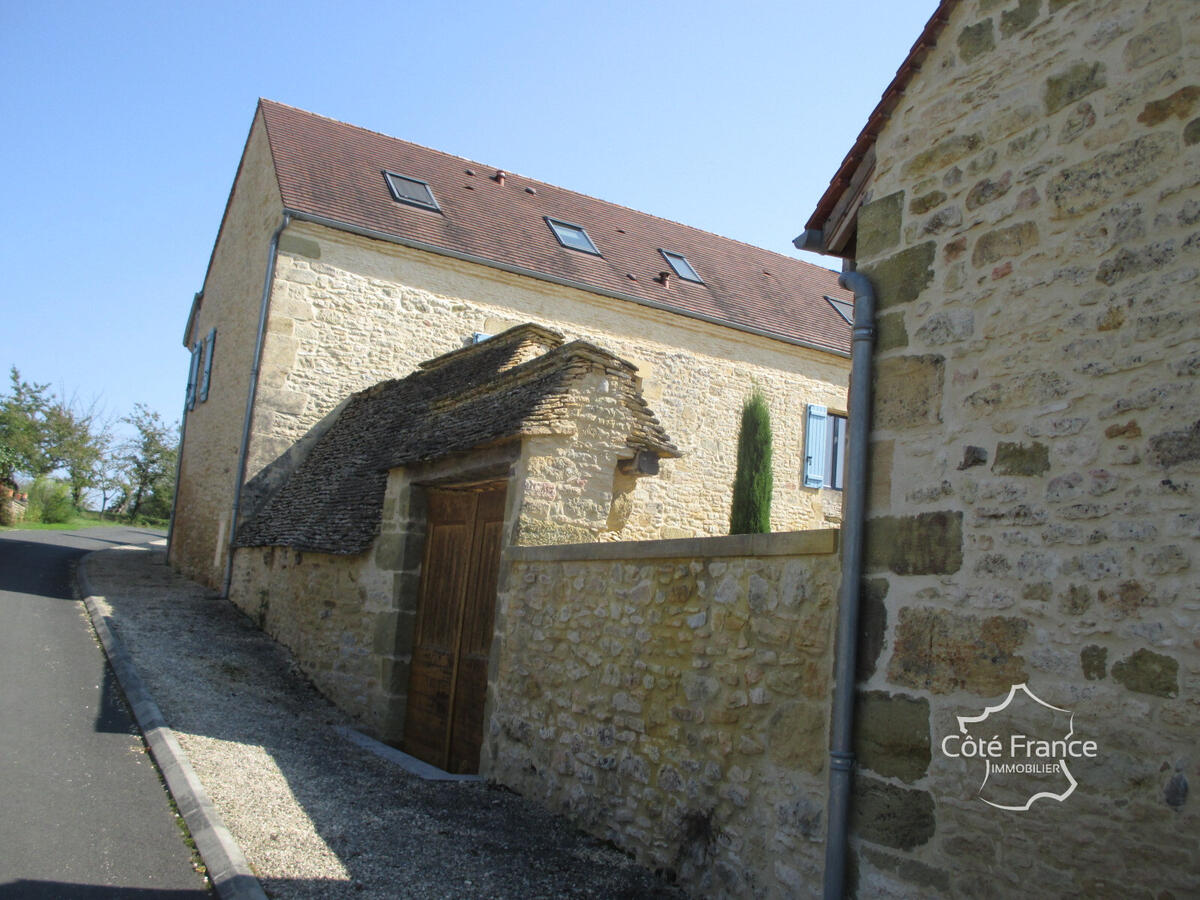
[412,191]
[682,267]
[571,236]
[844,308]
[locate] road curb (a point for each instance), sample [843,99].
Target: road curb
[227,867]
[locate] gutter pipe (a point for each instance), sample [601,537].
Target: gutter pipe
[841,753]
[268,281]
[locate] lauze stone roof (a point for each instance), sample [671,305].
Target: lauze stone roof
[515,384]
[334,171]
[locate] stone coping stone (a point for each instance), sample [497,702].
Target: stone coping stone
[817,542]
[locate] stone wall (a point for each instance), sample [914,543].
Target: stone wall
[328,610]
[349,619]
[348,312]
[672,696]
[213,430]
[1033,232]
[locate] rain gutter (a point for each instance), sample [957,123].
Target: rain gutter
[841,754]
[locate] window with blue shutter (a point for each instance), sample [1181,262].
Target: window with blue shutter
[816,426]
[210,343]
[835,458]
[193,374]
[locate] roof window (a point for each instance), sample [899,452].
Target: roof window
[844,308]
[682,267]
[573,237]
[412,191]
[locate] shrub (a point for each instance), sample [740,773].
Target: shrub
[49,502]
[752,484]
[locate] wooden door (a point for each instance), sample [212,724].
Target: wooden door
[447,688]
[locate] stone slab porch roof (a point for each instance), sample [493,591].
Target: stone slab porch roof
[335,171]
[515,384]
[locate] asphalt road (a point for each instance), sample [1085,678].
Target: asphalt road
[83,813]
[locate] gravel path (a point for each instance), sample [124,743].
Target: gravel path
[315,815]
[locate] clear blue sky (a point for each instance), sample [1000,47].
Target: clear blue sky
[123,124]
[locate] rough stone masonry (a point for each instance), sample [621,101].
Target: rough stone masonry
[1032,228]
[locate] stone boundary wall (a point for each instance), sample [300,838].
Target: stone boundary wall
[672,697]
[328,610]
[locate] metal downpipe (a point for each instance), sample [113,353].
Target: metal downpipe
[268,281]
[841,754]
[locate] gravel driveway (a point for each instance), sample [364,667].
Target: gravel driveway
[315,815]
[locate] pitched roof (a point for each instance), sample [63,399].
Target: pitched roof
[861,153]
[334,171]
[514,384]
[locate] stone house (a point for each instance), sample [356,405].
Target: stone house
[1024,202]
[346,257]
[405,362]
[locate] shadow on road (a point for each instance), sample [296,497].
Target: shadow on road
[26,889]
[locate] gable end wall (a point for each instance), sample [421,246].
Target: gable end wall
[231,303]
[1033,233]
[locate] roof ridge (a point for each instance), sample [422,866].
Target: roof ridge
[514,335]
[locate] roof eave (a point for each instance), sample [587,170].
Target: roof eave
[836,212]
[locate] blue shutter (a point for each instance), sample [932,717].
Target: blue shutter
[816,438]
[193,373]
[210,342]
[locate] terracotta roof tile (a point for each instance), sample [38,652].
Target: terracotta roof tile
[333,170]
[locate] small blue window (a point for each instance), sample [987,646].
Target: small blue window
[412,191]
[210,344]
[682,267]
[573,237]
[824,448]
[843,308]
[193,375]
[815,426]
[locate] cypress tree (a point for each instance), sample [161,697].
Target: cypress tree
[751,512]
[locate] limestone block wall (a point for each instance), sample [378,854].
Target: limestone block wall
[568,486]
[213,429]
[348,312]
[348,619]
[327,610]
[672,696]
[1033,232]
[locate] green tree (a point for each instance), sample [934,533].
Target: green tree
[41,433]
[8,465]
[23,432]
[752,483]
[148,461]
[77,441]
